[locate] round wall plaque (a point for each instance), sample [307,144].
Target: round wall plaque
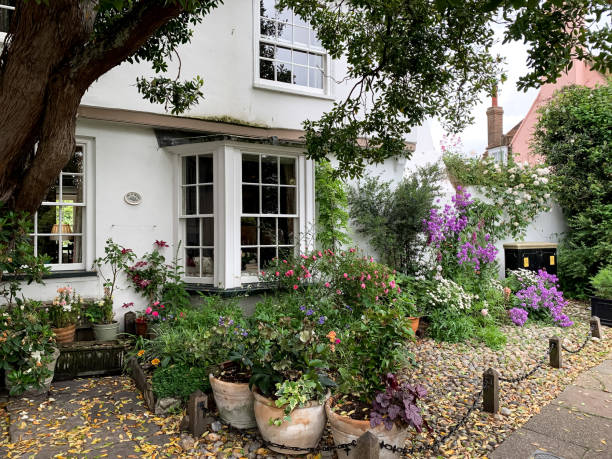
[132,198]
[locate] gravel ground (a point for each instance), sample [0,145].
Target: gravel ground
[452,374]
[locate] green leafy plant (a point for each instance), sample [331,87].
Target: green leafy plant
[602,283]
[100,312]
[293,394]
[573,135]
[117,258]
[332,203]
[180,381]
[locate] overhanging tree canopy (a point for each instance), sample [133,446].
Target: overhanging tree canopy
[408,59]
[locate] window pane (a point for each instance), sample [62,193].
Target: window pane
[72,188]
[48,217]
[53,193]
[269,169]
[285,252]
[189,170]
[76,162]
[299,21]
[266,256]
[267,9]
[49,245]
[270,200]
[189,200]
[300,35]
[208,262]
[266,50]
[300,57]
[208,232]
[286,231]
[192,232]
[267,28]
[314,40]
[287,171]
[248,261]
[248,231]
[284,31]
[67,217]
[283,72]
[206,169]
[300,75]
[266,70]
[250,199]
[192,262]
[287,201]
[283,54]
[206,199]
[316,78]
[284,15]
[267,231]
[72,251]
[315,60]
[250,168]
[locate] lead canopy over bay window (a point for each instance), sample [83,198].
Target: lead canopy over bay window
[240,205]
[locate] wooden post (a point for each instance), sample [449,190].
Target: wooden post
[129,323]
[596,331]
[556,360]
[490,391]
[367,447]
[197,420]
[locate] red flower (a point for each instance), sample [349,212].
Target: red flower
[161,244]
[128,305]
[124,251]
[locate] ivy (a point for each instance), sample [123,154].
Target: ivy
[332,202]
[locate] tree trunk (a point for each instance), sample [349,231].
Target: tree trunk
[48,62]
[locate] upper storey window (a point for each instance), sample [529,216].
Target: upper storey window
[6,12]
[289,53]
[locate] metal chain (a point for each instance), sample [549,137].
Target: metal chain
[524,376]
[580,348]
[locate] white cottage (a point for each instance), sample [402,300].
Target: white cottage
[228,182]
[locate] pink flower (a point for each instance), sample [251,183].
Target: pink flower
[320,254]
[386,291]
[155,313]
[148,310]
[369,277]
[345,275]
[276,273]
[392,284]
[124,251]
[128,305]
[327,284]
[162,306]
[484,312]
[338,292]
[161,244]
[362,285]
[155,303]
[337,340]
[304,257]
[284,261]
[351,250]
[295,287]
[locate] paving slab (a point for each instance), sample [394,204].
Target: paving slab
[571,426]
[524,443]
[589,401]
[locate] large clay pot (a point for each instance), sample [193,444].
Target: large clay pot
[414,323]
[34,391]
[234,402]
[345,430]
[106,332]
[65,334]
[303,431]
[141,327]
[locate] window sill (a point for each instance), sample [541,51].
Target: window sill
[58,275]
[291,89]
[250,289]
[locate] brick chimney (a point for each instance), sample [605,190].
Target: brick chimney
[495,124]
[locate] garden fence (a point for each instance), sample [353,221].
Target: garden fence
[368,446]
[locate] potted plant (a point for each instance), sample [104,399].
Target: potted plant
[373,349]
[290,381]
[601,302]
[142,324]
[27,348]
[407,303]
[230,380]
[100,314]
[64,314]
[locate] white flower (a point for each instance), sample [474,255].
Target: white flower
[517,201]
[515,223]
[536,182]
[36,355]
[547,195]
[544,180]
[527,196]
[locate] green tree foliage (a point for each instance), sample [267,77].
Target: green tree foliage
[332,202]
[574,134]
[392,219]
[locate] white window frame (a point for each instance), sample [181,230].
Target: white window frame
[182,218]
[87,239]
[279,86]
[3,34]
[227,208]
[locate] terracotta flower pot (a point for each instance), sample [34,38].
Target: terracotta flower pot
[234,402]
[414,323]
[303,431]
[141,328]
[65,334]
[345,430]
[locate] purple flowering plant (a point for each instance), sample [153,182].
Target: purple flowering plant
[398,405]
[538,297]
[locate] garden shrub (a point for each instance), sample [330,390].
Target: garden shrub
[332,203]
[492,336]
[602,283]
[180,381]
[574,136]
[391,219]
[451,326]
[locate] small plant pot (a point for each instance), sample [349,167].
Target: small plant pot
[602,308]
[303,431]
[65,334]
[234,402]
[345,429]
[106,332]
[35,391]
[141,328]
[414,323]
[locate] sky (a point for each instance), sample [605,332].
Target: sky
[515,103]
